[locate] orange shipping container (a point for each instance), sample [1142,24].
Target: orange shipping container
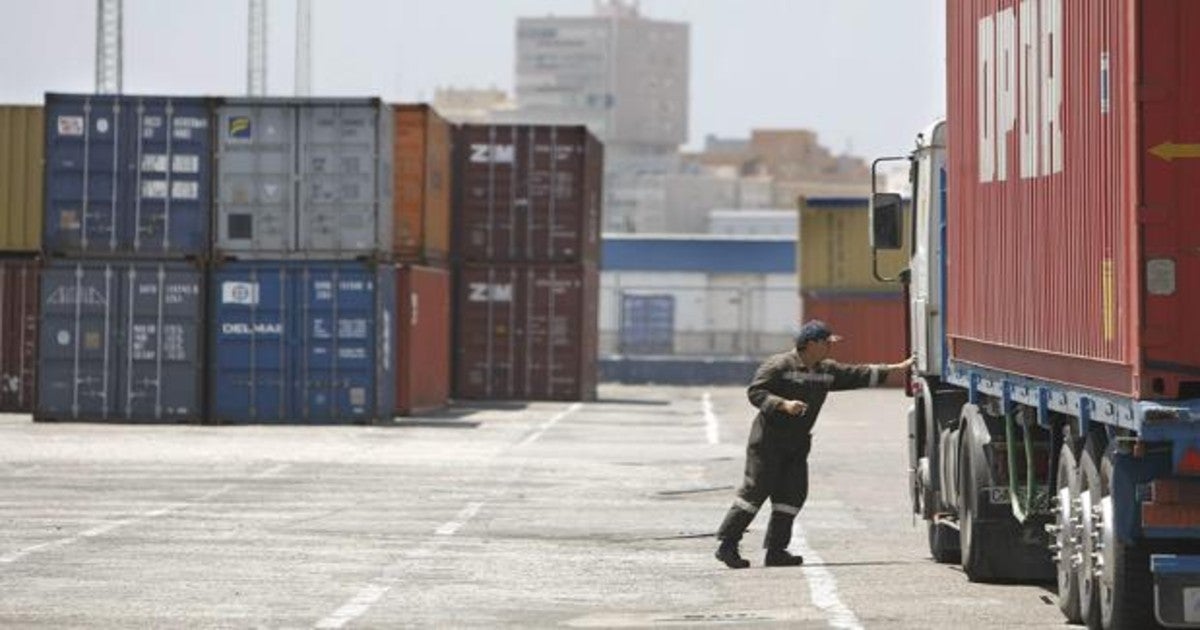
[871,324]
[422,339]
[422,185]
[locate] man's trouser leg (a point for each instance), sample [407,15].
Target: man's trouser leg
[785,505]
[750,497]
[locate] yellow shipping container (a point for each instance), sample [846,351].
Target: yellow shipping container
[834,250]
[21,164]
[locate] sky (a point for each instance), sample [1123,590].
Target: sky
[866,75]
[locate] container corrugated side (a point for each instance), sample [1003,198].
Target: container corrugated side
[423,185]
[1072,225]
[834,253]
[304,178]
[871,324]
[527,194]
[18,333]
[422,339]
[128,176]
[22,144]
[302,342]
[526,332]
[121,341]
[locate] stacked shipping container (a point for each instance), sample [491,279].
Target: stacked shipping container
[127,210]
[837,283]
[21,155]
[325,209]
[423,168]
[527,222]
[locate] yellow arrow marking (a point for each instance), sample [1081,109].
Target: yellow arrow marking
[1171,151]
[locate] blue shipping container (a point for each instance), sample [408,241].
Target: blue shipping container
[128,176]
[121,341]
[302,342]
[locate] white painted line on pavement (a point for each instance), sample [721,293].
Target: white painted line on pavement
[449,529]
[823,587]
[711,424]
[370,594]
[108,527]
[545,426]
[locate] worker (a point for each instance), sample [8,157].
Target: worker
[788,390]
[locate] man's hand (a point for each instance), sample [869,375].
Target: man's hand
[793,407]
[903,365]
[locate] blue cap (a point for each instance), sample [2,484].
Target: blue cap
[815,330]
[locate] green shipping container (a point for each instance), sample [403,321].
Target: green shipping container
[21,159]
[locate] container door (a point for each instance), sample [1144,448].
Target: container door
[1170,197]
[255,188]
[422,339]
[490,203]
[170,195]
[161,375]
[411,147]
[486,332]
[334,374]
[338,195]
[84,172]
[18,334]
[647,324]
[551,353]
[249,355]
[77,368]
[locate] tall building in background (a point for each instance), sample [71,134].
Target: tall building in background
[626,78]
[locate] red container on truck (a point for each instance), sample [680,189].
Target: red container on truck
[1075,167]
[1053,294]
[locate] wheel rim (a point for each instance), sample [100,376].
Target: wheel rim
[1087,547]
[1107,553]
[1065,539]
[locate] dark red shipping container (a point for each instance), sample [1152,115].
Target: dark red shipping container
[526,332]
[422,339]
[18,333]
[1074,194]
[528,193]
[871,324]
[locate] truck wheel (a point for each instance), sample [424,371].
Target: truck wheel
[971,532]
[943,543]
[1067,522]
[1125,586]
[1090,492]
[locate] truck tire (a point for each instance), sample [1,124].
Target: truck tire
[943,543]
[1089,483]
[1126,592]
[972,536]
[1068,494]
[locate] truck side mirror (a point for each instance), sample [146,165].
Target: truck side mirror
[886,221]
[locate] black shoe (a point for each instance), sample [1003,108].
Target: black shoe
[781,558]
[728,553]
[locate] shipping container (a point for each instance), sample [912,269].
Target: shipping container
[528,193]
[871,324]
[833,250]
[127,176]
[423,185]
[121,341]
[1074,178]
[18,333]
[526,332]
[303,178]
[302,342]
[422,339]
[22,157]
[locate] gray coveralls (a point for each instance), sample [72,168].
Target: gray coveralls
[777,451]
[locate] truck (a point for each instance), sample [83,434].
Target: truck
[1053,290]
